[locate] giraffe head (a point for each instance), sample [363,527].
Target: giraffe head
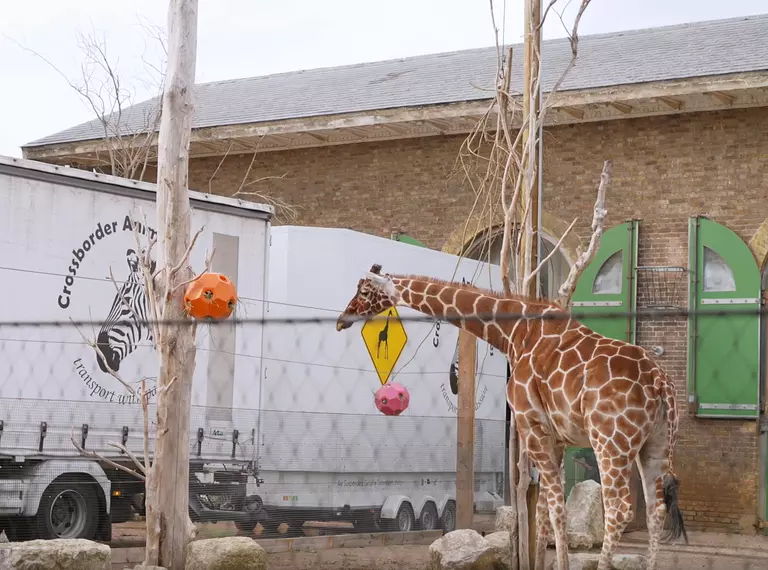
[375,293]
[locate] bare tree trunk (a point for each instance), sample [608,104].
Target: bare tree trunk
[169,528]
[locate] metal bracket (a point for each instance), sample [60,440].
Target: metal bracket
[200,436]
[727,406]
[742,301]
[2,427]
[84,435]
[596,304]
[124,438]
[235,437]
[43,432]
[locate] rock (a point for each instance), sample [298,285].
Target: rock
[500,542]
[230,553]
[588,561]
[56,554]
[505,518]
[462,549]
[629,562]
[585,516]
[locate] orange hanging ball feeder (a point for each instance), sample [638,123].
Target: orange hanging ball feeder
[212,296]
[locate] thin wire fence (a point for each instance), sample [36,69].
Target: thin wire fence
[286,428]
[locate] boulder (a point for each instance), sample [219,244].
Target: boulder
[230,553]
[588,561]
[505,518]
[462,549]
[56,554]
[585,516]
[629,562]
[500,542]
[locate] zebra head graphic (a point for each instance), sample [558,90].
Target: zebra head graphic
[123,329]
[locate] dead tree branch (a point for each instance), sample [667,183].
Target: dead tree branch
[498,162]
[598,225]
[128,130]
[284,211]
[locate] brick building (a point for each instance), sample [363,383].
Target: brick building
[681,110]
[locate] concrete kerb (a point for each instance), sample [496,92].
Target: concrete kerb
[135,554]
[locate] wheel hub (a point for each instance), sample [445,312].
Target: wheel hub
[68,514]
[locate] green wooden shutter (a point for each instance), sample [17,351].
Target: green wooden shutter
[723,350]
[608,285]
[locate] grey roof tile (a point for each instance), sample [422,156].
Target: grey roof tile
[671,52]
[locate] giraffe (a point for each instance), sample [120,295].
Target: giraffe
[569,386]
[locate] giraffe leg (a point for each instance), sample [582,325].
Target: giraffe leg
[615,473]
[543,529]
[542,451]
[653,463]
[543,524]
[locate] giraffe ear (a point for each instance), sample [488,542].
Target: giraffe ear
[379,280]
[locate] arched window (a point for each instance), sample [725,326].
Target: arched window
[487,247]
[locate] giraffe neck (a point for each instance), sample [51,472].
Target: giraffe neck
[449,301]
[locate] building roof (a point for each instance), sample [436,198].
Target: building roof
[699,49]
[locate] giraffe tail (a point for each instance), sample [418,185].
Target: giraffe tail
[670,482]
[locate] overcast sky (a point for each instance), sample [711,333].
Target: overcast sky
[243,38]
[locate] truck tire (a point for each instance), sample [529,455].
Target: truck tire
[252,505]
[68,510]
[428,518]
[448,520]
[404,521]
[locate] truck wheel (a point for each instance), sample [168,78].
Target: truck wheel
[252,505]
[68,510]
[448,521]
[428,517]
[404,521]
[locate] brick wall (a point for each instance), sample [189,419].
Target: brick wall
[665,170]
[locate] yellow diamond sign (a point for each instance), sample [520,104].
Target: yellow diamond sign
[385,340]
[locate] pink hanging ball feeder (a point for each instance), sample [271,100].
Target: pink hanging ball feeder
[392,399]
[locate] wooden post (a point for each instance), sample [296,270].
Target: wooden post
[169,528]
[465,453]
[531,105]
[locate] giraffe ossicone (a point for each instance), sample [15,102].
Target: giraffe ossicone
[570,386]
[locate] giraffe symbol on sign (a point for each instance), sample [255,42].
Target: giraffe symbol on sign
[384,338]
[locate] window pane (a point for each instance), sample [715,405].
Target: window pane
[718,275]
[608,280]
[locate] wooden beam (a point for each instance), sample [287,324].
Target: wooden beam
[621,107]
[573,112]
[315,136]
[465,432]
[358,132]
[675,104]
[724,98]
[396,128]
[439,124]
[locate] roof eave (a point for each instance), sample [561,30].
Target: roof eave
[617,102]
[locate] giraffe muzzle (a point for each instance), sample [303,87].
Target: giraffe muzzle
[343,323]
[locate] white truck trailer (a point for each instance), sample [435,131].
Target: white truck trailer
[348,460]
[62,231]
[283,426]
